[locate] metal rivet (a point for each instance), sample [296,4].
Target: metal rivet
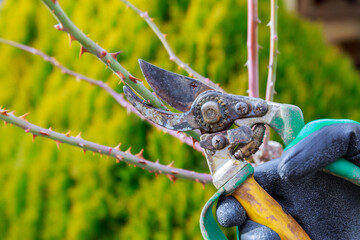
[218,142]
[261,108]
[241,108]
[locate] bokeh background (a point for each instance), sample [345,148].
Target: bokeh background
[48,193]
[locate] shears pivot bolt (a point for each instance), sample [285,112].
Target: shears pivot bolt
[211,112]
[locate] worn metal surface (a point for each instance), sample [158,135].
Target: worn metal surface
[211,111]
[173,121]
[178,91]
[245,151]
[240,135]
[287,120]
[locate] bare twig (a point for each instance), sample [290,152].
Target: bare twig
[270,86]
[109,59]
[137,160]
[118,97]
[252,48]
[172,56]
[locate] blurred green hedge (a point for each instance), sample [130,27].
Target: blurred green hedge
[51,194]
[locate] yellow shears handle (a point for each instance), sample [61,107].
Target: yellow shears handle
[262,208]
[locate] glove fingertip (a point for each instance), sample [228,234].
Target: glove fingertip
[287,170]
[230,213]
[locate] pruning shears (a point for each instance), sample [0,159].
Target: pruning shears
[213,113]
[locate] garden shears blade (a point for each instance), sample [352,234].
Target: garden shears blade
[213,113]
[163,83]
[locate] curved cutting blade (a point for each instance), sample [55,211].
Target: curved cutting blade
[169,120]
[176,90]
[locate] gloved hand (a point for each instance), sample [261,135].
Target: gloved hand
[326,206]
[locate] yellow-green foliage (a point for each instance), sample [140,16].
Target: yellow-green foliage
[51,194]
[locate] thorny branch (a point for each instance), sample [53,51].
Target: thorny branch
[270,86]
[109,59]
[252,48]
[115,152]
[172,56]
[118,97]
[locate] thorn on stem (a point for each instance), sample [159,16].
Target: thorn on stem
[171,177]
[193,142]
[71,39]
[83,50]
[115,54]
[134,79]
[140,154]
[118,147]
[68,133]
[4,113]
[33,137]
[23,117]
[122,77]
[171,164]
[79,135]
[128,150]
[58,143]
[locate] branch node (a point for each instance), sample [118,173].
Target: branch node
[44,133]
[59,27]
